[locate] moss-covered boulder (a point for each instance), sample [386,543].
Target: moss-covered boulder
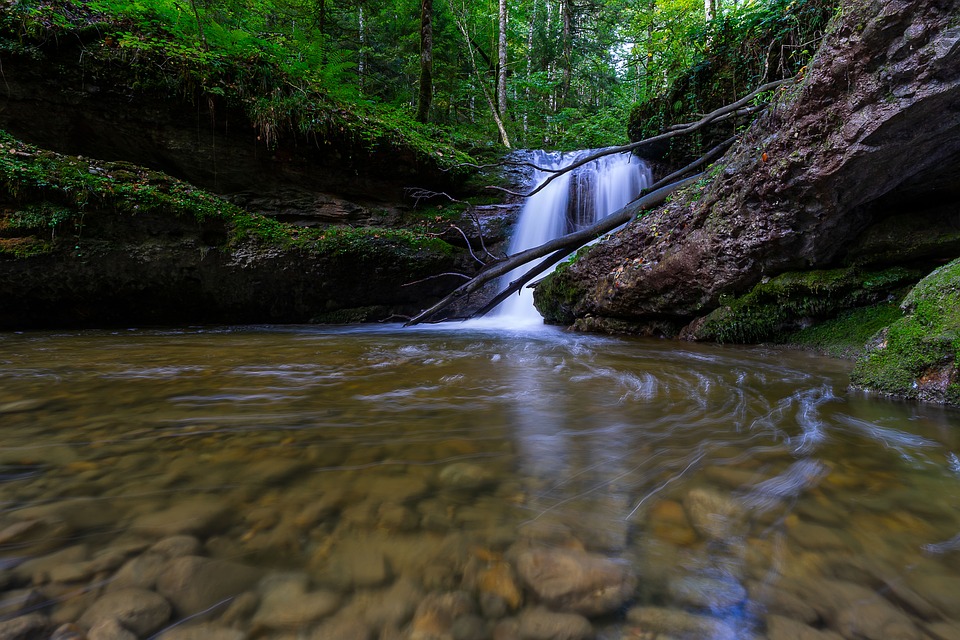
[918,356]
[796,299]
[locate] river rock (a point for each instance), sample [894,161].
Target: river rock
[776,598]
[575,581]
[200,515]
[436,614]
[202,631]
[942,591]
[340,628]
[138,610]
[355,567]
[176,546]
[466,476]
[68,631]
[541,624]
[943,630]
[194,584]
[713,515]
[390,608]
[109,629]
[858,612]
[815,537]
[38,569]
[706,593]
[286,604]
[780,628]
[141,572]
[28,627]
[674,622]
[17,601]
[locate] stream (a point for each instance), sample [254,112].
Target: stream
[464,482]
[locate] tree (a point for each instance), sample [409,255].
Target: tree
[425,95]
[502,60]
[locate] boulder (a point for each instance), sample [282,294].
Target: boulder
[575,581]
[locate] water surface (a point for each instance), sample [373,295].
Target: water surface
[456,483]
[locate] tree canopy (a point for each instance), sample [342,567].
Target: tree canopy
[542,73]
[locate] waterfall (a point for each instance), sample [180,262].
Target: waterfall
[572,201]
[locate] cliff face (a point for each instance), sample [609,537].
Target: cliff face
[858,166]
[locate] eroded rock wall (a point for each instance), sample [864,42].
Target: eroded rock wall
[866,143]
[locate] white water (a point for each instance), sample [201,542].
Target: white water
[572,201]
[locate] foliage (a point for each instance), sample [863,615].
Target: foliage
[918,356]
[847,335]
[733,53]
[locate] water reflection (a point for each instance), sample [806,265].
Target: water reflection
[464,483]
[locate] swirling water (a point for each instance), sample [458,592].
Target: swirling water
[278,482]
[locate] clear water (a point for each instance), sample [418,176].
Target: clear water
[372,475]
[572,201]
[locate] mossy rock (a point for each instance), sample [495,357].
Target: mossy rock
[793,300]
[918,356]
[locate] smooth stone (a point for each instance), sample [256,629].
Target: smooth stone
[37,569]
[23,406]
[465,476]
[857,612]
[713,515]
[176,546]
[355,567]
[497,583]
[390,608]
[541,624]
[18,601]
[78,513]
[576,581]
[395,517]
[942,591]
[288,605]
[397,489]
[435,615]
[109,629]
[706,593]
[780,628]
[815,537]
[138,610]
[340,628]
[28,627]
[469,627]
[141,572]
[202,631]
[675,622]
[201,516]
[943,630]
[68,631]
[194,584]
[779,600]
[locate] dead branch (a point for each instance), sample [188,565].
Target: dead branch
[699,124]
[435,276]
[572,240]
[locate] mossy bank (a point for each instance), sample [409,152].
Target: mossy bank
[92,243]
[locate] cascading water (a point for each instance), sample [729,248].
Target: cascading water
[572,201]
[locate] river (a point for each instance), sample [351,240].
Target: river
[464,482]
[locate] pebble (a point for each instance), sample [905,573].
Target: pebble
[109,629]
[194,584]
[27,627]
[575,581]
[780,628]
[541,624]
[202,631]
[675,622]
[706,593]
[713,515]
[142,612]
[201,515]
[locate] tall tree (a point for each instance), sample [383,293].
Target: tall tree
[425,94]
[502,60]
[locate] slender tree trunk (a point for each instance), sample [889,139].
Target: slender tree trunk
[710,9]
[566,14]
[426,61]
[200,32]
[362,58]
[526,91]
[502,61]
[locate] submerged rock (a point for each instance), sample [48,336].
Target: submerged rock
[137,610]
[575,581]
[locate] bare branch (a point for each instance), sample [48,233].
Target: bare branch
[469,245]
[435,276]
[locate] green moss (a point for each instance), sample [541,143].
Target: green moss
[352,315]
[918,356]
[556,296]
[846,335]
[55,193]
[781,304]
